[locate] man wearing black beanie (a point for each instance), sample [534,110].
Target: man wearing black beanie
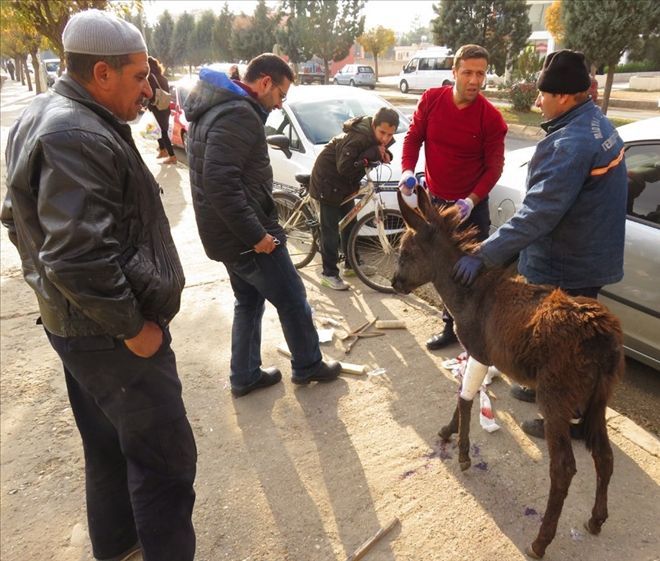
[569,231]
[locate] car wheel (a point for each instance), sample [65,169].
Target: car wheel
[335,82]
[447,83]
[372,87]
[352,83]
[403,86]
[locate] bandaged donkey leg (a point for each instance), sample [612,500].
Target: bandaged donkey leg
[473,377]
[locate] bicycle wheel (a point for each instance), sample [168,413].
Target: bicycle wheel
[374,248]
[300,225]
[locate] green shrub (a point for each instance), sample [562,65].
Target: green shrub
[523,95]
[636,66]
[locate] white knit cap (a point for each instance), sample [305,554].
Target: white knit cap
[94,32]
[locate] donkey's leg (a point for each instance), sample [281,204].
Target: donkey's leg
[452,428]
[562,470]
[604,463]
[464,414]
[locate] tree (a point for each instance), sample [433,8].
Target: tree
[331,28]
[222,34]
[162,39]
[418,33]
[501,26]
[553,22]
[259,35]
[604,34]
[181,49]
[291,35]
[202,42]
[376,41]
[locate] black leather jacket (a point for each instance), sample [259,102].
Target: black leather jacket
[86,216]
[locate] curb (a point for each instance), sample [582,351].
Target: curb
[501,95]
[633,432]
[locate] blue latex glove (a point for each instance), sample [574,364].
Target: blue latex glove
[467,269]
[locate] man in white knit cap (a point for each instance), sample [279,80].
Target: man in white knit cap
[85,214]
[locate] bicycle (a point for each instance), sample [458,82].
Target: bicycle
[374,241]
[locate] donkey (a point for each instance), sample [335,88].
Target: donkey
[569,349]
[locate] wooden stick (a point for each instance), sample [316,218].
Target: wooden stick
[357,369]
[390,324]
[361,551]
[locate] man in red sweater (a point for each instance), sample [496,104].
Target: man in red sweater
[463,136]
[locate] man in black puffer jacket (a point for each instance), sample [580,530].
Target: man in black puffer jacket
[86,216]
[232,180]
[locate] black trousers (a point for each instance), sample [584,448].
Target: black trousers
[479,217]
[140,454]
[163,120]
[331,237]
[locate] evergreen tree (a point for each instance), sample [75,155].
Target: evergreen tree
[162,39]
[501,26]
[290,36]
[605,29]
[202,50]
[222,35]
[259,36]
[182,39]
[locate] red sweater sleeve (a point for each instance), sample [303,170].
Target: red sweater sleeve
[495,131]
[415,135]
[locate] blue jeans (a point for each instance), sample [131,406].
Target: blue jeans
[331,237]
[272,277]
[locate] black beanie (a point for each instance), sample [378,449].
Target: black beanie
[564,72]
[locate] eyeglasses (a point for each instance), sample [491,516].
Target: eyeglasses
[282,93]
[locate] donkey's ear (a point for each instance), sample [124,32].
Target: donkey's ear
[410,215]
[425,205]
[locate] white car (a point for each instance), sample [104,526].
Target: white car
[311,116]
[636,299]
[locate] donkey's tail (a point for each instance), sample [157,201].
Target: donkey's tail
[594,416]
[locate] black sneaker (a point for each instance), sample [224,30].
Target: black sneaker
[327,372]
[269,377]
[537,428]
[447,337]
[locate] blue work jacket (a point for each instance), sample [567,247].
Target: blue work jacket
[570,228]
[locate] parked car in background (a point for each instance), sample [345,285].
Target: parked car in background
[427,69]
[355,75]
[636,299]
[52,66]
[311,116]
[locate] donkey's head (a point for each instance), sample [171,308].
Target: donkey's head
[431,244]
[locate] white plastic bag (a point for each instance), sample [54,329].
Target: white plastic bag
[149,128]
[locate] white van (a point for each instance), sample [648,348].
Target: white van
[427,69]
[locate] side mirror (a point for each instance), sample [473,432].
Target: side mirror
[280,142]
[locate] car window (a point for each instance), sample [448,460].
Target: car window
[278,123]
[426,63]
[365,70]
[321,120]
[444,63]
[643,165]
[412,65]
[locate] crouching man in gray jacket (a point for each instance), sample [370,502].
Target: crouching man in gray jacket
[85,214]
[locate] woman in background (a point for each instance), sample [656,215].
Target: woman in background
[158,80]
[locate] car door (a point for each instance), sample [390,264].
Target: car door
[636,299]
[301,161]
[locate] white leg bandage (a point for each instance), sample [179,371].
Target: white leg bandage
[474,375]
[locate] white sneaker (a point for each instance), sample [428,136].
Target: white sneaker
[336,283]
